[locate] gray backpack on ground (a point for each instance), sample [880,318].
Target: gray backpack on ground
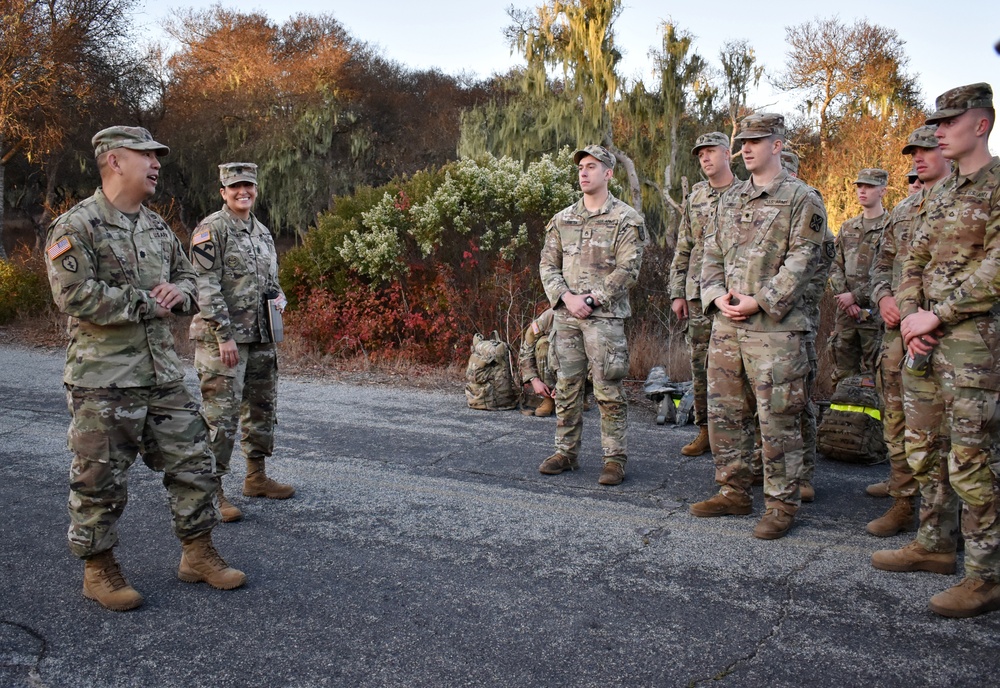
[851,429]
[489,382]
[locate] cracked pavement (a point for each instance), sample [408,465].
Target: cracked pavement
[424,549]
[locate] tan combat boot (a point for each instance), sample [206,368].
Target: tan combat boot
[557,463]
[201,562]
[971,597]
[898,519]
[104,583]
[546,408]
[257,484]
[721,505]
[613,473]
[229,512]
[699,445]
[878,489]
[913,557]
[807,493]
[775,524]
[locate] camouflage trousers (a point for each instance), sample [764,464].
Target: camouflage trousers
[698,334]
[855,350]
[764,372]
[952,433]
[108,428]
[244,396]
[601,342]
[809,417]
[901,482]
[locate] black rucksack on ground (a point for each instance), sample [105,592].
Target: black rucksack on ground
[489,382]
[851,429]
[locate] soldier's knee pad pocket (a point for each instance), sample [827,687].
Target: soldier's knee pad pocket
[788,385]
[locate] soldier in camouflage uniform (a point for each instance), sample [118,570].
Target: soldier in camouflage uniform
[120,275]
[949,302]
[712,151]
[590,261]
[237,267]
[893,248]
[533,362]
[763,250]
[855,341]
[913,184]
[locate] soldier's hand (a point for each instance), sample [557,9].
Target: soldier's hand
[737,306]
[577,306]
[229,353]
[167,295]
[680,308]
[890,311]
[161,312]
[542,389]
[854,310]
[918,324]
[845,301]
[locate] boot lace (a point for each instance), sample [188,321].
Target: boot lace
[113,577]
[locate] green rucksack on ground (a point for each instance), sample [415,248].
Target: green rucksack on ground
[489,382]
[851,429]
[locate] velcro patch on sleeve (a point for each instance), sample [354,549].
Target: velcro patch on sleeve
[58,248]
[535,328]
[201,237]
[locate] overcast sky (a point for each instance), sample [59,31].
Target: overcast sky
[945,45]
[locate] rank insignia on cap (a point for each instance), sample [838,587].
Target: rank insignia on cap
[59,248]
[201,237]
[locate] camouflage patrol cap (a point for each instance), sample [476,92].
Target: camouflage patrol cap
[922,137]
[133,138]
[714,138]
[599,152]
[761,125]
[234,172]
[958,100]
[873,176]
[790,161]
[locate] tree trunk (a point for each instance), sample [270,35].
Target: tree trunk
[42,224]
[3,251]
[633,177]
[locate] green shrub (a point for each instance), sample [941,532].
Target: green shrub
[23,289]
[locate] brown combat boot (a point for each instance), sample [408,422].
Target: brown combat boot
[807,493]
[699,445]
[898,519]
[775,524]
[721,505]
[971,597]
[613,473]
[557,463]
[257,484]
[229,512]
[546,408]
[201,562]
[104,583]
[878,489]
[913,557]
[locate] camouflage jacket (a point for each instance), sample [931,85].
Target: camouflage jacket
[856,250]
[236,267]
[894,246]
[768,243]
[685,269]
[954,260]
[539,329]
[101,270]
[598,252]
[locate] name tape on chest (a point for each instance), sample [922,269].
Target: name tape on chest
[59,248]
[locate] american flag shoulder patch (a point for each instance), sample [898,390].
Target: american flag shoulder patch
[58,248]
[535,328]
[201,237]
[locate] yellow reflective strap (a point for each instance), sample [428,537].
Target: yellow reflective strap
[874,413]
[677,402]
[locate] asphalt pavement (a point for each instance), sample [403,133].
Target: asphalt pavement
[423,548]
